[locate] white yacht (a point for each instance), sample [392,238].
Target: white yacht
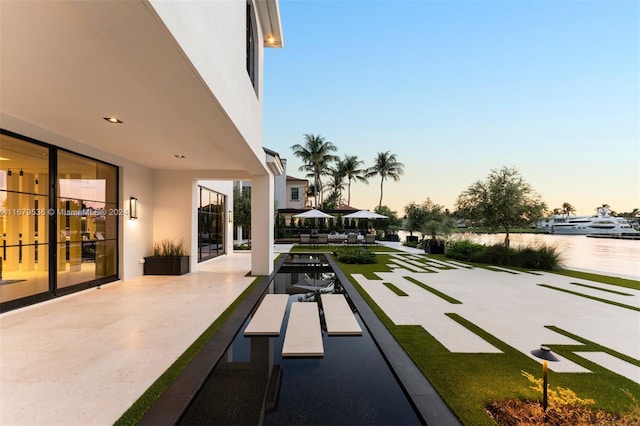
[612,227]
[577,225]
[601,224]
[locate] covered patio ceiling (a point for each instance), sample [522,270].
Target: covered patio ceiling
[66,65]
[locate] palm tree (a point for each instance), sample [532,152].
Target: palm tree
[316,156]
[336,183]
[567,209]
[387,166]
[350,167]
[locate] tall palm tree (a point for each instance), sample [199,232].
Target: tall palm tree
[568,209]
[316,155]
[335,187]
[350,167]
[336,182]
[387,166]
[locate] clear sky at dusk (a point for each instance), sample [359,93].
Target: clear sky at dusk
[457,88]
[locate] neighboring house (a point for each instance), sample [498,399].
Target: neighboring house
[296,193]
[110,105]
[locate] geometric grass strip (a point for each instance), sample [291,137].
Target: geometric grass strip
[602,289]
[575,293]
[433,291]
[395,289]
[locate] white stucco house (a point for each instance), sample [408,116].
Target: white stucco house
[112,106]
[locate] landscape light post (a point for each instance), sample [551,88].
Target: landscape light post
[545,354]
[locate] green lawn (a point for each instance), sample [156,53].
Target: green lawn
[468,382]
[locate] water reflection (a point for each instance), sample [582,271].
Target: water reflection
[254,384]
[608,256]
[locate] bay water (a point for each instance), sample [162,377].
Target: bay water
[608,256]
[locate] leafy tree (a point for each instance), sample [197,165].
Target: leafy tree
[392,219]
[316,155]
[504,200]
[428,218]
[350,167]
[386,165]
[633,213]
[242,210]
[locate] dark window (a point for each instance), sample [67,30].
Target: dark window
[294,194]
[251,47]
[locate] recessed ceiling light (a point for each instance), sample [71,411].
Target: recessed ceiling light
[4,159]
[271,39]
[113,120]
[179,156]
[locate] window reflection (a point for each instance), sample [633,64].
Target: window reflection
[87,220]
[211,210]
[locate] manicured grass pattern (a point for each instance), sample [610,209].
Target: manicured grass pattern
[395,289]
[433,291]
[470,382]
[586,296]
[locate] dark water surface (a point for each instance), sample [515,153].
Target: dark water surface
[253,384]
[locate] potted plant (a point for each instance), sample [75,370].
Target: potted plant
[169,258]
[435,228]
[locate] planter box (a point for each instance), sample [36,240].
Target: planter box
[434,247]
[166,265]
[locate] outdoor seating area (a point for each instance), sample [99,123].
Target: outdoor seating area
[348,236]
[316,239]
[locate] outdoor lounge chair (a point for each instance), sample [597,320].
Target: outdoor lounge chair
[369,239]
[352,239]
[323,239]
[305,239]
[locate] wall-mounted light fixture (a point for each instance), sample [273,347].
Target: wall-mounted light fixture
[133,208]
[230,216]
[9,173]
[21,172]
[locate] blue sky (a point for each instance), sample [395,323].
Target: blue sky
[457,88]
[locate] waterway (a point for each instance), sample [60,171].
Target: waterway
[614,257]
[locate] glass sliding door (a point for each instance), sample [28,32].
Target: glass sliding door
[87,225]
[24,220]
[58,221]
[211,235]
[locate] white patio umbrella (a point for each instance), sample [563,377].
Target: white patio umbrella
[365,214]
[313,214]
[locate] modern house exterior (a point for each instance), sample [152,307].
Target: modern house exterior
[125,123]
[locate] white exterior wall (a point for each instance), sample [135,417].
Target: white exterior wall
[136,236]
[262,225]
[212,34]
[281,187]
[300,204]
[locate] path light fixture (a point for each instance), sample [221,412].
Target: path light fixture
[545,354]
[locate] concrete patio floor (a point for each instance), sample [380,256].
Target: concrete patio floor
[84,359]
